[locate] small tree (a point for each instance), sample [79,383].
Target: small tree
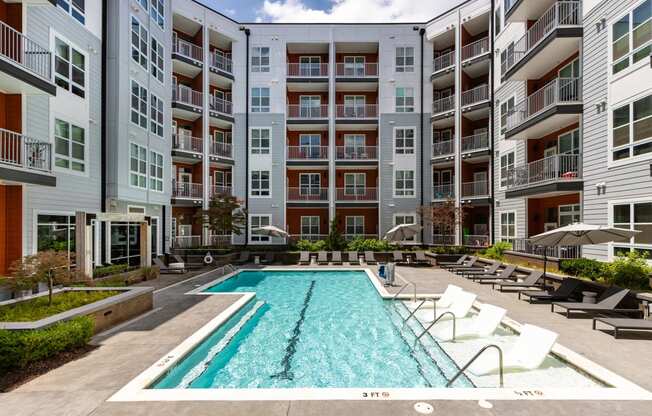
[444,216]
[335,240]
[51,267]
[225,215]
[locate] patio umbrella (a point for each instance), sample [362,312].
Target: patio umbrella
[271,231]
[402,232]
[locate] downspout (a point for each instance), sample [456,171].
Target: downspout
[422,32]
[103,140]
[492,178]
[247,32]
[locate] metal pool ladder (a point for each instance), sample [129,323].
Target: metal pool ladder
[425,331]
[407,283]
[434,305]
[485,348]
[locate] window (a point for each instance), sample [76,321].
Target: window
[354,106]
[260,59]
[631,130]
[138,166]
[309,184]
[125,243]
[155,171]
[569,214]
[69,68]
[260,183]
[156,115]
[354,225]
[354,66]
[260,141]
[69,146]
[355,183]
[569,143]
[631,37]
[506,163]
[258,221]
[310,106]
[508,226]
[260,100]
[138,42]
[157,66]
[157,12]
[506,107]
[56,232]
[404,100]
[405,59]
[309,227]
[507,58]
[404,141]
[75,8]
[310,66]
[310,146]
[634,216]
[354,147]
[497,21]
[404,183]
[138,104]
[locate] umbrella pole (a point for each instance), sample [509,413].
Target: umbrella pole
[545,263]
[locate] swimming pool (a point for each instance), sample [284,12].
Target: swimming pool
[314,329]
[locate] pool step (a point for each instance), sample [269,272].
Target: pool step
[201,366]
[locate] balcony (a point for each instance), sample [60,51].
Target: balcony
[187,241]
[307,194]
[555,36]
[306,112]
[221,150]
[356,71]
[25,160]
[443,70]
[220,106]
[187,191]
[187,147]
[187,58]
[475,143]
[353,194]
[444,61]
[222,66]
[221,190]
[475,96]
[477,189]
[25,65]
[475,49]
[444,148]
[523,245]
[443,239]
[443,112]
[356,153]
[552,175]
[476,241]
[443,192]
[307,71]
[557,104]
[307,153]
[219,240]
[186,102]
[357,112]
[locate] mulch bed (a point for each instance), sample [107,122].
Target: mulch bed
[17,377]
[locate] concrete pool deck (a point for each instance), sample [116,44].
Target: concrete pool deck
[82,387]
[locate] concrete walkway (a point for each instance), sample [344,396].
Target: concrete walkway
[82,387]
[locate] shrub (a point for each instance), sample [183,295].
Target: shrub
[497,251]
[630,271]
[588,268]
[306,245]
[148,273]
[20,348]
[109,270]
[370,244]
[449,250]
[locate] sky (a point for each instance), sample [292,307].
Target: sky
[331,10]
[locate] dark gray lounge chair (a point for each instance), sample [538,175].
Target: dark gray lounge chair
[460,261]
[353,257]
[492,269]
[421,259]
[268,259]
[528,282]
[322,257]
[166,269]
[244,258]
[369,257]
[336,257]
[397,257]
[189,264]
[607,303]
[471,262]
[562,293]
[619,324]
[505,274]
[304,258]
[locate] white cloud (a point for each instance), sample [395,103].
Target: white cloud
[291,11]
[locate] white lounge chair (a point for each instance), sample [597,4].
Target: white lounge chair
[482,325]
[459,308]
[444,300]
[528,353]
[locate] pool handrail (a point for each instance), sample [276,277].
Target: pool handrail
[477,354]
[434,305]
[433,323]
[407,283]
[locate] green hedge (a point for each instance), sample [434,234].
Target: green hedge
[449,250]
[369,244]
[306,245]
[20,348]
[109,270]
[588,268]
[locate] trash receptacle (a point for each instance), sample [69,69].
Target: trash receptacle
[381,270]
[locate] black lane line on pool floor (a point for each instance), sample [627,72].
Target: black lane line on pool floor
[286,373]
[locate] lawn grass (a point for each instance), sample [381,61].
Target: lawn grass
[38,308]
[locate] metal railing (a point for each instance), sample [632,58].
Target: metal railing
[187,190]
[23,51]
[22,151]
[468,364]
[357,111]
[475,95]
[443,105]
[443,239]
[434,305]
[561,13]
[186,241]
[407,283]
[523,245]
[446,147]
[357,194]
[356,152]
[307,193]
[219,240]
[354,70]
[187,49]
[562,167]
[187,143]
[476,48]
[307,152]
[309,237]
[476,240]
[187,95]
[220,190]
[475,189]
[443,61]
[444,191]
[557,91]
[307,70]
[298,111]
[222,63]
[425,331]
[475,142]
[220,105]
[221,149]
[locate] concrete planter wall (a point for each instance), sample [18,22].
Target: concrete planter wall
[132,276]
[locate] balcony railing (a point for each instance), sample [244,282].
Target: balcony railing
[307,193]
[443,239]
[367,70]
[307,112]
[509,4]
[307,152]
[471,240]
[443,61]
[23,51]
[221,149]
[22,151]
[187,143]
[563,167]
[475,95]
[186,241]
[219,240]
[187,190]
[443,105]
[523,245]
[350,237]
[307,70]
[446,147]
[561,13]
[444,191]
[186,95]
[357,194]
[357,111]
[475,142]
[222,63]
[220,190]
[557,91]
[187,49]
[220,105]
[309,237]
[475,189]
[476,48]
[357,152]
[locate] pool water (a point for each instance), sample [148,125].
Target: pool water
[312,329]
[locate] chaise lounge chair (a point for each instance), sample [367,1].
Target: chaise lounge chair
[268,259]
[562,293]
[505,274]
[336,257]
[304,258]
[397,257]
[528,353]
[322,257]
[607,303]
[444,301]
[471,262]
[420,259]
[181,268]
[482,325]
[619,324]
[369,257]
[491,270]
[460,261]
[528,282]
[459,308]
[353,257]
[244,258]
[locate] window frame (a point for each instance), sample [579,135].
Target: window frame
[156,181]
[68,79]
[404,68]
[156,115]
[157,56]
[259,107]
[631,51]
[631,144]
[632,245]
[258,238]
[355,225]
[504,181]
[143,39]
[69,158]
[404,150]
[404,191]
[259,67]
[404,107]
[260,149]
[70,8]
[259,191]
[157,13]
[508,238]
[138,174]
[311,225]
[143,117]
